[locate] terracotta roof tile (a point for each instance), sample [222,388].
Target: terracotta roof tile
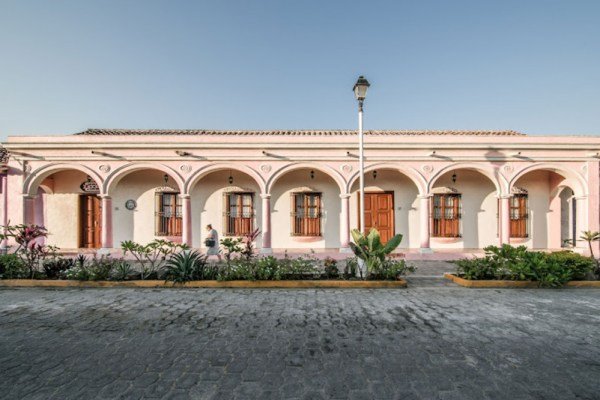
[333,132]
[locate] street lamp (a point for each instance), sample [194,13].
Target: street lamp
[360,92]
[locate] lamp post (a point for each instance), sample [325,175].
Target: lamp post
[360,92]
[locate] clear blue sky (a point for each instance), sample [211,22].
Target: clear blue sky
[527,65]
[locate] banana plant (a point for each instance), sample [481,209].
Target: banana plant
[370,249]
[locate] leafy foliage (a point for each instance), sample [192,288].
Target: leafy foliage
[331,270]
[28,248]
[518,263]
[231,246]
[56,266]
[590,237]
[151,256]
[247,250]
[186,266]
[12,267]
[371,250]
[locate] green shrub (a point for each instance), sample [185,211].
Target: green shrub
[351,268]
[77,273]
[581,266]
[185,266]
[390,270]
[331,270]
[520,264]
[122,271]
[12,267]
[54,268]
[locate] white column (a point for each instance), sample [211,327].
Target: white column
[425,222]
[266,223]
[107,228]
[186,219]
[504,237]
[345,224]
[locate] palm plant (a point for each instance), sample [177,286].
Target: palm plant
[371,250]
[590,237]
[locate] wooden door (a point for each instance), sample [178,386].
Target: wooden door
[90,217]
[379,213]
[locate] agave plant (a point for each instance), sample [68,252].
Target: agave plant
[371,250]
[185,266]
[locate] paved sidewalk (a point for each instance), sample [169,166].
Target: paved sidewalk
[431,341]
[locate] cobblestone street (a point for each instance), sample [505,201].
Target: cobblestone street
[431,341]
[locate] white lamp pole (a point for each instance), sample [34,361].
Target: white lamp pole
[360,91]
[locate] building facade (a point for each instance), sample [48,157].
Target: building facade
[442,190]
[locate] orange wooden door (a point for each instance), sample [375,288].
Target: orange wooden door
[379,214]
[90,217]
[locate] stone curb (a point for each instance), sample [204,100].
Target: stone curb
[401,283]
[513,284]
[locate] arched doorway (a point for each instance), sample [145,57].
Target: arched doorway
[67,204]
[229,200]
[391,204]
[305,209]
[464,209]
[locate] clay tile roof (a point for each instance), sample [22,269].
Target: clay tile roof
[333,132]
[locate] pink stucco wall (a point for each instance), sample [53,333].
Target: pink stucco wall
[268,160]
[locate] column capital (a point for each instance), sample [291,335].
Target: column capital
[185,196]
[345,196]
[265,195]
[584,197]
[504,196]
[29,196]
[105,196]
[425,196]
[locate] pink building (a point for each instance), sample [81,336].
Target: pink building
[443,190]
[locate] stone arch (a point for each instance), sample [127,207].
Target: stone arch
[327,170]
[411,173]
[572,179]
[119,173]
[34,180]
[202,172]
[491,173]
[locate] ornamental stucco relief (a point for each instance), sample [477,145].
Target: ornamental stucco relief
[266,168]
[186,168]
[346,168]
[104,168]
[428,168]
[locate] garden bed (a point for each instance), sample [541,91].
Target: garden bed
[290,284]
[496,283]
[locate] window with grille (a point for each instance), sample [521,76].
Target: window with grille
[446,215]
[167,211]
[518,216]
[238,213]
[306,214]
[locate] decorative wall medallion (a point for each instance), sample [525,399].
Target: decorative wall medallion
[27,168]
[584,167]
[186,168]
[427,168]
[266,168]
[346,168]
[104,168]
[90,186]
[130,204]
[508,169]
